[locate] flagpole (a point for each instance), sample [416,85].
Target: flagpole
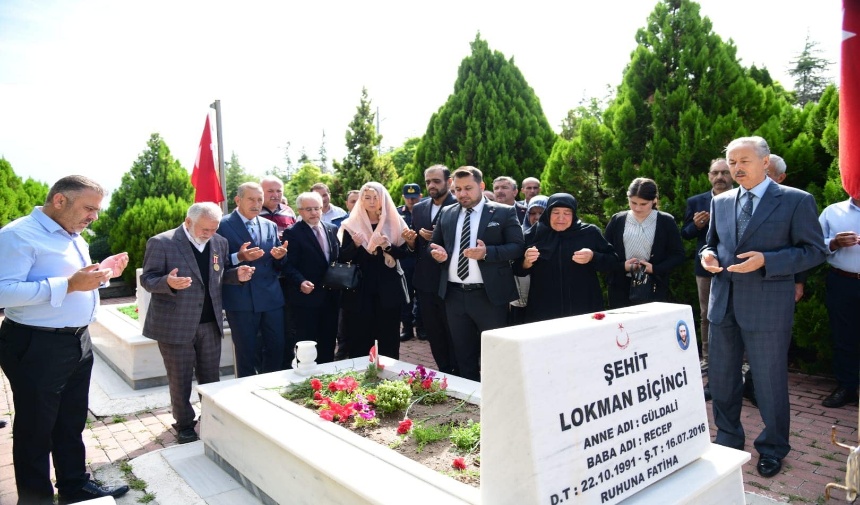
[217,106]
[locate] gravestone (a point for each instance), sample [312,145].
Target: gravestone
[587,410]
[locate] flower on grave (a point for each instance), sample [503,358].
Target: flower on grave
[318,396]
[137,309]
[316,384]
[598,315]
[425,384]
[459,463]
[404,426]
[444,383]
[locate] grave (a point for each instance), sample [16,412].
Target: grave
[574,410]
[136,359]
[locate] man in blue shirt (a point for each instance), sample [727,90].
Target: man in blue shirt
[50,291]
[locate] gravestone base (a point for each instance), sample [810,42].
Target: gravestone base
[136,359]
[285,453]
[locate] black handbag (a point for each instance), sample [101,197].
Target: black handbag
[642,286]
[342,276]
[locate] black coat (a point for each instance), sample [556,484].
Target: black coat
[377,279]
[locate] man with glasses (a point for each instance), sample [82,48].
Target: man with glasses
[313,246]
[696,219]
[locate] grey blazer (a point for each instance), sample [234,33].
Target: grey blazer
[785,228]
[174,315]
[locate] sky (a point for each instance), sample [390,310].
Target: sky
[84,83]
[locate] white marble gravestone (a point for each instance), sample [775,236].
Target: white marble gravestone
[587,410]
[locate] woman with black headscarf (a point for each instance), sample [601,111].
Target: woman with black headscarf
[563,256]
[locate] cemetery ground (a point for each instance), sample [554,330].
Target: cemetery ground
[114,441]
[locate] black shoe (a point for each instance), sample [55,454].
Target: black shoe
[91,491]
[422,335]
[768,466]
[187,435]
[749,388]
[405,336]
[707,393]
[839,397]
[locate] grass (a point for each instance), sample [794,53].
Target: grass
[130,311]
[816,463]
[424,435]
[125,467]
[137,484]
[148,497]
[831,456]
[467,438]
[794,497]
[119,419]
[757,484]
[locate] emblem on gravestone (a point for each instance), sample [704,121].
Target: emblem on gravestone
[622,331]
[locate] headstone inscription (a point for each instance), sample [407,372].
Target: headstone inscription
[589,409]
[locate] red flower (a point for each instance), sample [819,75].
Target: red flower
[427,383]
[332,386]
[316,384]
[317,396]
[598,315]
[405,426]
[371,398]
[459,463]
[326,414]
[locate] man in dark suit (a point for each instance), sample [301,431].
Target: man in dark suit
[410,317]
[760,236]
[505,191]
[183,269]
[475,240]
[255,307]
[696,219]
[425,213]
[313,246]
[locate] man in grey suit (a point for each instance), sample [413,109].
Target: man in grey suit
[480,238]
[183,269]
[760,236]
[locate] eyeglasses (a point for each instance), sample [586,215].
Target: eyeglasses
[311,209]
[720,172]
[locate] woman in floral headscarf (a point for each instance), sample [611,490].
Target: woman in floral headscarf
[375,238]
[563,256]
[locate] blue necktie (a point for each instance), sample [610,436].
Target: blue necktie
[745,215]
[253,231]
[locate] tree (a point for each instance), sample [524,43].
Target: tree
[17,197]
[308,175]
[361,163]
[808,72]
[145,219]
[323,155]
[155,173]
[493,120]
[235,175]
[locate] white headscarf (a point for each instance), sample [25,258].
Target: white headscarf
[390,224]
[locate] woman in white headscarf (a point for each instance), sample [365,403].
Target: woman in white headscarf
[375,238]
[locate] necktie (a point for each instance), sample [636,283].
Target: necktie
[746,214]
[252,230]
[465,238]
[321,240]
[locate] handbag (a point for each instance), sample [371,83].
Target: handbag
[642,286]
[342,276]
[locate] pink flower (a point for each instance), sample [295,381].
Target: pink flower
[316,384]
[459,463]
[405,426]
[444,384]
[332,387]
[598,315]
[326,414]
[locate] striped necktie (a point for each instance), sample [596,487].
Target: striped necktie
[465,238]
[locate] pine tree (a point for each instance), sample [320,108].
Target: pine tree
[323,155]
[17,197]
[362,163]
[808,72]
[155,173]
[493,120]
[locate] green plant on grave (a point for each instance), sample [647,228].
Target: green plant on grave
[467,438]
[392,396]
[427,434]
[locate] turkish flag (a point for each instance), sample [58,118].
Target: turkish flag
[849,99]
[205,178]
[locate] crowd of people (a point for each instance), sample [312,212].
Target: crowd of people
[442,268]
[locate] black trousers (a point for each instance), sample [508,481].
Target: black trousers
[318,324]
[843,302]
[470,313]
[436,326]
[50,377]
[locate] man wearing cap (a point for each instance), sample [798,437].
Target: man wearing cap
[410,318]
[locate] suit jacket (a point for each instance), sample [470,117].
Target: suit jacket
[785,228]
[306,261]
[504,241]
[667,252]
[174,314]
[263,292]
[427,270]
[689,231]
